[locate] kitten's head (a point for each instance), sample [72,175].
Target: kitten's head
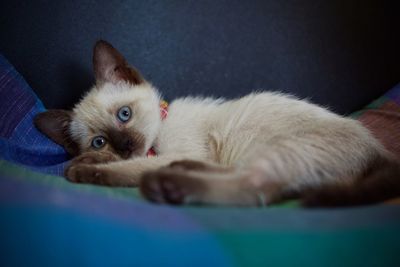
[119,114]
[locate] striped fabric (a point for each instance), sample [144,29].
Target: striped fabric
[47,221]
[382,117]
[20,141]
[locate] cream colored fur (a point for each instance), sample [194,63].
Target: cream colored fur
[274,143]
[97,111]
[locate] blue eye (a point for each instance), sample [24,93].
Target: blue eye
[124,114]
[98,142]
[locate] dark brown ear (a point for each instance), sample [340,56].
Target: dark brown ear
[110,66]
[54,124]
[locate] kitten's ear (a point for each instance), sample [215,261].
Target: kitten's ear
[54,124]
[110,66]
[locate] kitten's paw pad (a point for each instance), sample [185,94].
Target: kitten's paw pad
[94,158]
[83,173]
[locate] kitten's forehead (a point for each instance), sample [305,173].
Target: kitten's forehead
[109,96]
[98,107]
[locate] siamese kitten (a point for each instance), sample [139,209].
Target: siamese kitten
[250,151]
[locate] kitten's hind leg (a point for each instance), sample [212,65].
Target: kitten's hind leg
[207,185]
[285,166]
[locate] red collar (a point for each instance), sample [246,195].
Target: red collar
[163,114]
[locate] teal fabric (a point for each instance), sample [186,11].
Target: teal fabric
[47,221]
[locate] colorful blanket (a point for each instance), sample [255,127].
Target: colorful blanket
[47,221]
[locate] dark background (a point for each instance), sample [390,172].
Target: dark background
[341,54]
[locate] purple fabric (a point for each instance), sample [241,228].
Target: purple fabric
[20,141]
[15,103]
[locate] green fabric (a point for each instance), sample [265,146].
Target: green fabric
[275,236]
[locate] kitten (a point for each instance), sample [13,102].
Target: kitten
[251,151]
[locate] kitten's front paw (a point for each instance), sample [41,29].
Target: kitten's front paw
[94,158]
[170,186]
[82,169]
[85,173]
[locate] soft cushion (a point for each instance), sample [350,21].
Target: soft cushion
[20,141]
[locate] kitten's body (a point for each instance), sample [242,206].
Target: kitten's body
[250,151]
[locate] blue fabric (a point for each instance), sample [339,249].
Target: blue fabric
[59,237]
[20,141]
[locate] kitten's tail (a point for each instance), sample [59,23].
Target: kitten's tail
[379,183]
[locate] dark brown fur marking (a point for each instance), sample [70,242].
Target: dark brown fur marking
[85,173]
[126,142]
[380,182]
[54,123]
[169,185]
[193,165]
[87,168]
[83,170]
[110,66]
